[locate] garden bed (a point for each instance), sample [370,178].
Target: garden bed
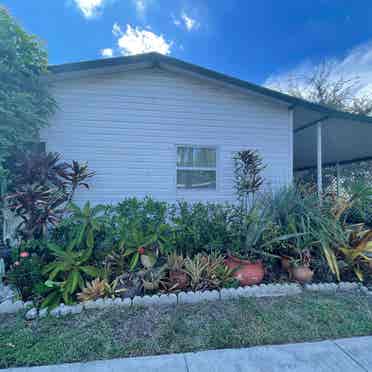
[135,331]
[70,254]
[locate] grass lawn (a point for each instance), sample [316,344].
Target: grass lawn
[147,331]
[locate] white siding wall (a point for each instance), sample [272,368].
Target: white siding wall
[126,125]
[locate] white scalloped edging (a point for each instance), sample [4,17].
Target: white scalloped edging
[263,290]
[9,306]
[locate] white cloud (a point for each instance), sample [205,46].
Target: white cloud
[142,7]
[190,23]
[186,21]
[90,8]
[136,41]
[177,22]
[107,52]
[357,63]
[116,30]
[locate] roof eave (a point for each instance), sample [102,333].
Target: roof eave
[156,59]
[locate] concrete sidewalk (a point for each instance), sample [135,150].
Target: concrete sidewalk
[346,355]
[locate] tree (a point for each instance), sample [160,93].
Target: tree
[326,85]
[25,102]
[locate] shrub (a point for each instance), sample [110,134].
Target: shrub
[289,205]
[202,227]
[147,214]
[39,189]
[25,275]
[67,273]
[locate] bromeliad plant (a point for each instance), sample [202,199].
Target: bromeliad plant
[208,272]
[357,250]
[67,273]
[94,290]
[135,245]
[345,246]
[351,249]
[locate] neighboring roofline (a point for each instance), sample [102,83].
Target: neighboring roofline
[156,59]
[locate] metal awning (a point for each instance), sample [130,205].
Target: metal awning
[343,140]
[325,139]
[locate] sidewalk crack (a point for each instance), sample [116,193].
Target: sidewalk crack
[350,356]
[187,366]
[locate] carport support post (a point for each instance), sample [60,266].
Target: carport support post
[319,159]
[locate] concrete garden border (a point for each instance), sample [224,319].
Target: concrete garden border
[263,290]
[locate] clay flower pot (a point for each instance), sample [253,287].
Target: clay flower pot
[302,274]
[246,272]
[179,278]
[286,263]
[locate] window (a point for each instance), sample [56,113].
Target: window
[196,167]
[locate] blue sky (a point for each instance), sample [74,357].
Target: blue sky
[253,40]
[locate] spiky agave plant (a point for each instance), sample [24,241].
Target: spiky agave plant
[195,269]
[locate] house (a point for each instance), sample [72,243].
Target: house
[155,125]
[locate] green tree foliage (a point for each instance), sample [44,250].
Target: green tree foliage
[25,102]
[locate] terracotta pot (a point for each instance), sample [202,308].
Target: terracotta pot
[286,263]
[180,278]
[302,274]
[246,272]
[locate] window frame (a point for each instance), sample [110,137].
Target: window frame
[216,168]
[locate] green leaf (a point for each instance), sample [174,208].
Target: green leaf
[66,297]
[332,261]
[55,272]
[90,239]
[57,250]
[52,300]
[134,262]
[75,278]
[73,208]
[81,235]
[99,208]
[50,267]
[90,270]
[359,273]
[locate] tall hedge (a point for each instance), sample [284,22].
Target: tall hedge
[25,102]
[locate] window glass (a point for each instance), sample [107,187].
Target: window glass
[196,167]
[196,157]
[192,179]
